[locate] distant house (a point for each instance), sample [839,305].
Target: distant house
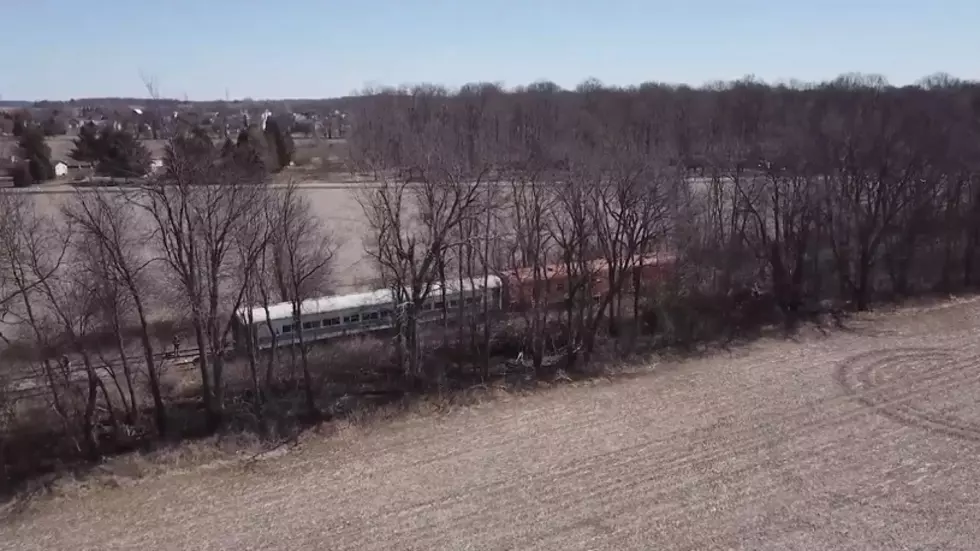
[156,165]
[70,167]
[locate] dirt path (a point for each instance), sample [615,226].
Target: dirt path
[863,440]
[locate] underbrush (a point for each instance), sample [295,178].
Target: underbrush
[356,382]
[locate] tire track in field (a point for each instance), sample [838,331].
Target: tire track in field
[631,458]
[797,463]
[858,376]
[638,492]
[501,437]
[309,505]
[633,490]
[503,486]
[492,427]
[574,435]
[272,490]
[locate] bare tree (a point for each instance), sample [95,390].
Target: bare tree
[531,252]
[303,251]
[32,255]
[424,193]
[110,220]
[71,300]
[196,208]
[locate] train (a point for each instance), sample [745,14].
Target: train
[351,314]
[553,280]
[343,315]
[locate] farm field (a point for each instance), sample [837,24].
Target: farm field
[336,206]
[863,439]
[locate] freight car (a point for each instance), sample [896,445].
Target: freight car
[553,281]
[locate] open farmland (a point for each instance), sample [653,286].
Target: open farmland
[864,439]
[334,204]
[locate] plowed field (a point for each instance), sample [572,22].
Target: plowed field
[864,439]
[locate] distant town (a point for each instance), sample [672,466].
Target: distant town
[313,125]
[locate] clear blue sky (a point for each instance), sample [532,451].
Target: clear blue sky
[59,49]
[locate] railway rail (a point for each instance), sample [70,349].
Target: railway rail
[31,385]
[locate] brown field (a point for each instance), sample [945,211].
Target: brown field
[61,146]
[863,439]
[336,206]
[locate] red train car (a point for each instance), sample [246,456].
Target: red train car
[554,281]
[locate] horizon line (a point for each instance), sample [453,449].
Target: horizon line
[369,89]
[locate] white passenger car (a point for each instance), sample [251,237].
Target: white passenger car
[341,315]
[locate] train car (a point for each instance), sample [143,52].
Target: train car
[553,281]
[342,315]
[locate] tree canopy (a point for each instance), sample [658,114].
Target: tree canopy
[115,153]
[36,153]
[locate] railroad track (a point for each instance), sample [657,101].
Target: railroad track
[33,385]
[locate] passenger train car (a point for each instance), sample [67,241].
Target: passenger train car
[341,315]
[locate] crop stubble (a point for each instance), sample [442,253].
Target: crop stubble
[826,443]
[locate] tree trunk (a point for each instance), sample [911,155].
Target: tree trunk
[88,417]
[862,289]
[253,370]
[131,411]
[159,408]
[308,393]
[203,349]
[217,345]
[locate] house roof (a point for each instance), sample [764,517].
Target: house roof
[380,297]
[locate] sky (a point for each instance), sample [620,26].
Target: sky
[212,49]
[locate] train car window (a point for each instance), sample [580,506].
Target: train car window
[331,322]
[287,328]
[311,324]
[372,316]
[453,303]
[352,319]
[386,313]
[439,305]
[427,306]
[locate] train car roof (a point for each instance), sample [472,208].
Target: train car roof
[335,303]
[598,265]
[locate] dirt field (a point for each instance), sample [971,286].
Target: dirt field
[337,208]
[866,439]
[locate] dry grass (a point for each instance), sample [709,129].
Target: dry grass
[863,439]
[61,146]
[335,205]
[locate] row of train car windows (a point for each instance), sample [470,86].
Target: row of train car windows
[469,301]
[346,320]
[374,316]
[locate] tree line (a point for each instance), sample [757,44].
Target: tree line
[94,294]
[849,190]
[762,204]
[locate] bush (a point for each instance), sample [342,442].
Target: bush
[21,174]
